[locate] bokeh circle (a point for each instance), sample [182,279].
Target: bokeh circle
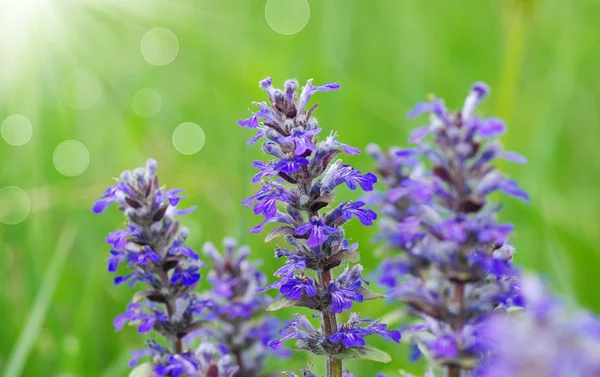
[146,103]
[71,158]
[81,89]
[160,46]
[16,130]
[287,16]
[15,205]
[188,138]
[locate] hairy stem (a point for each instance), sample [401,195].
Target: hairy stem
[334,366]
[236,351]
[240,362]
[453,371]
[176,344]
[458,323]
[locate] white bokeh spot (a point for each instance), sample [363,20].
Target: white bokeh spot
[71,158]
[146,103]
[188,138]
[16,130]
[160,46]
[15,205]
[287,16]
[7,258]
[81,89]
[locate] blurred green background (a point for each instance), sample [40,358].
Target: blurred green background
[75,68]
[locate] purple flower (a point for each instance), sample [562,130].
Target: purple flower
[135,277]
[154,349]
[144,256]
[443,348]
[300,329]
[187,276]
[294,263]
[291,165]
[236,298]
[267,198]
[177,248]
[117,239]
[294,287]
[319,231]
[264,113]
[114,260]
[491,127]
[381,329]
[302,139]
[152,245]
[308,90]
[109,197]
[179,365]
[303,176]
[346,174]
[452,265]
[145,315]
[351,334]
[345,289]
[547,339]
[266,169]
[348,209]
[331,143]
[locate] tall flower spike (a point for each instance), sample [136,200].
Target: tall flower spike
[452,263]
[303,175]
[238,304]
[547,339]
[152,247]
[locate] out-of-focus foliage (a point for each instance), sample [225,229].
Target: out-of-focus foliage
[539,57]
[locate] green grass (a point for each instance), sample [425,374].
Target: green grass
[540,58]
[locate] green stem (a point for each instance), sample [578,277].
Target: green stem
[176,344]
[517,18]
[334,366]
[453,371]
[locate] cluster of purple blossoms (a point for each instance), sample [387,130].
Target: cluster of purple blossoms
[302,176]
[547,339]
[237,306]
[454,263]
[152,247]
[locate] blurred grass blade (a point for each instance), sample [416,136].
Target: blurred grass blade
[37,314]
[118,367]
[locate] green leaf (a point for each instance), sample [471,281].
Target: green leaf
[278,232]
[284,302]
[34,322]
[365,353]
[150,294]
[143,370]
[280,303]
[368,294]
[350,256]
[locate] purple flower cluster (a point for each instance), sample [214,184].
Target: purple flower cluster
[302,176]
[238,304]
[547,339]
[152,246]
[454,265]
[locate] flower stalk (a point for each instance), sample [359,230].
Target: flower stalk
[452,264]
[152,247]
[302,176]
